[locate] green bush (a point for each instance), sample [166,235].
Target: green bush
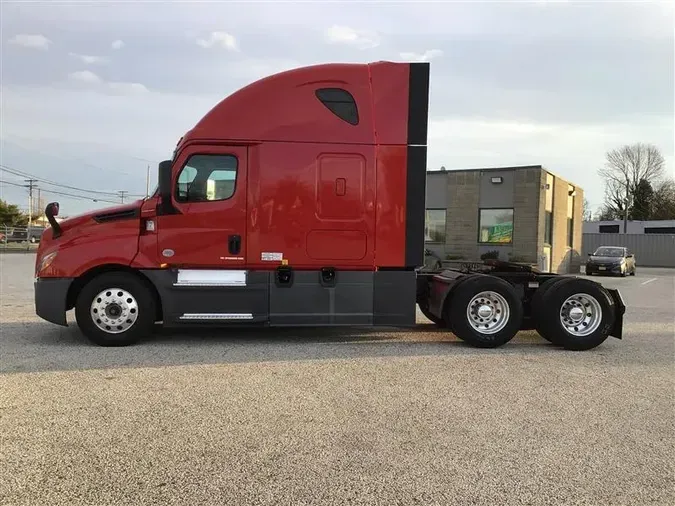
[493,254]
[520,259]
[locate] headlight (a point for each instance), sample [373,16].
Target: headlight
[46,261]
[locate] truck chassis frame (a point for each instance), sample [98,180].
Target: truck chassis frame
[540,297]
[485,305]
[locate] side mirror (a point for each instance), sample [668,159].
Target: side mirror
[52,210]
[590,254]
[164,179]
[164,184]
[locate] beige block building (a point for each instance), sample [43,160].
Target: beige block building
[525,214]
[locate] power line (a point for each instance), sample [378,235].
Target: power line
[21,173]
[54,192]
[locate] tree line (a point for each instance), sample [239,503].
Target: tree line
[12,216]
[637,186]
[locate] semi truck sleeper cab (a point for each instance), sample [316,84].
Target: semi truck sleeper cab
[299,200]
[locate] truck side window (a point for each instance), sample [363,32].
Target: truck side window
[340,102]
[206,178]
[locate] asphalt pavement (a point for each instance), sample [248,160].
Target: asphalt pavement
[346,416]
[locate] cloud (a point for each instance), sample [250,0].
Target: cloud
[251,69]
[574,150]
[515,84]
[35,41]
[117,44]
[361,39]
[91,60]
[128,88]
[84,76]
[117,87]
[428,55]
[222,39]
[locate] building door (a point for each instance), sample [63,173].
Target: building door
[546,259]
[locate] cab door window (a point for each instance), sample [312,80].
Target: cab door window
[207,178]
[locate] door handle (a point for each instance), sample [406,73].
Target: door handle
[340,186]
[234,244]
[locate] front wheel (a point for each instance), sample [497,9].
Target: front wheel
[115,309]
[484,311]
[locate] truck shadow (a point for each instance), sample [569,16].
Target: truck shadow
[35,346]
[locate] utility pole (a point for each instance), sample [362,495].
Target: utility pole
[625,210]
[31,184]
[147,182]
[122,194]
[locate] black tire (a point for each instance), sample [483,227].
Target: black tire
[440,322]
[538,304]
[143,307]
[423,301]
[443,323]
[456,311]
[553,302]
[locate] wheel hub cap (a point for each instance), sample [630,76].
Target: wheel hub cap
[484,311]
[488,312]
[576,314]
[581,314]
[114,310]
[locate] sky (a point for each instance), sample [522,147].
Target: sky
[94,93]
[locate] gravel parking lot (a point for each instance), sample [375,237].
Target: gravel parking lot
[336,416]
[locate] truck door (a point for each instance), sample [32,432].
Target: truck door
[209,192]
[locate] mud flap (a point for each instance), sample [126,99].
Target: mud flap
[617,328]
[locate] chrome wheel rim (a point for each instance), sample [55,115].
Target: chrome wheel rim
[488,312]
[114,310]
[581,314]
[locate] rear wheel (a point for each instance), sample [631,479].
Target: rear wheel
[577,314]
[484,311]
[538,304]
[427,314]
[115,309]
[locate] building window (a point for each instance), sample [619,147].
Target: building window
[548,228]
[206,178]
[434,225]
[340,102]
[659,230]
[608,229]
[570,232]
[495,226]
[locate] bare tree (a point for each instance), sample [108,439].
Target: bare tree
[664,200]
[586,211]
[624,168]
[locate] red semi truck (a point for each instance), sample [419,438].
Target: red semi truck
[299,200]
